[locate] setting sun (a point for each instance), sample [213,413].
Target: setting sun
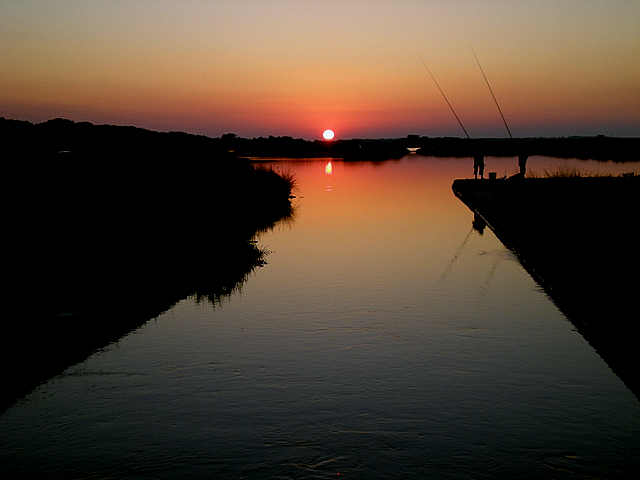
[328,134]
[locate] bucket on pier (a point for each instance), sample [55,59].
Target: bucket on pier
[493,175]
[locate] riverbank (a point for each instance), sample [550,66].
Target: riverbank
[577,237]
[99,248]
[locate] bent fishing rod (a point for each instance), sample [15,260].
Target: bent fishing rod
[445,97]
[492,94]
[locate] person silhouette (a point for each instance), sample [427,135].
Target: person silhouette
[478,223]
[478,165]
[522,163]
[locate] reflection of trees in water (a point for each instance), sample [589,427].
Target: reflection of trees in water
[99,249]
[236,264]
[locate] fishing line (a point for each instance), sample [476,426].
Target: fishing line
[492,94]
[445,97]
[484,291]
[455,256]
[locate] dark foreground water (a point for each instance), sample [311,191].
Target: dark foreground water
[386,338]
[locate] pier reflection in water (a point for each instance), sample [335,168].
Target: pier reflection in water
[385,338]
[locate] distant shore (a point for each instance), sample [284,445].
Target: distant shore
[60,136]
[577,237]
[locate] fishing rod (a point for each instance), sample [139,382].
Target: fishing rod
[445,97]
[492,94]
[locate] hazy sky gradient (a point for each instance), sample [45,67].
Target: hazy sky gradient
[296,68]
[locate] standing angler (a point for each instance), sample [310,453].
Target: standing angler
[478,165]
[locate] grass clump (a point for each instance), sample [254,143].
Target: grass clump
[565,170]
[562,170]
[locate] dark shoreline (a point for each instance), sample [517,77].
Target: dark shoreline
[66,136]
[97,248]
[577,238]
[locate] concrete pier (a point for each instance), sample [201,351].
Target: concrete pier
[578,238]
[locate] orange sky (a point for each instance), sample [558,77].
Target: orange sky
[259,68]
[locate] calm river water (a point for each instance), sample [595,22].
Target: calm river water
[385,338]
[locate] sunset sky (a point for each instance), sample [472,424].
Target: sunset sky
[296,68]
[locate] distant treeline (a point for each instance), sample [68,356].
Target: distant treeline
[596,148]
[60,136]
[83,138]
[587,148]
